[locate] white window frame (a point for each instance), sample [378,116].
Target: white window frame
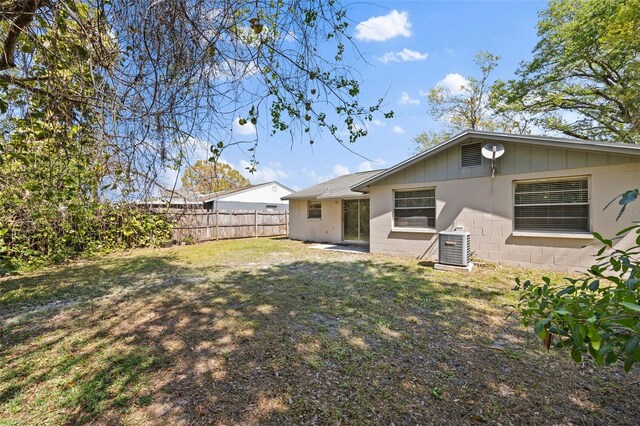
[309,209]
[557,233]
[415,229]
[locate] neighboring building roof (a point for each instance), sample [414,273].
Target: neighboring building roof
[184,197]
[555,142]
[335,188]
[222,194]
[178,196]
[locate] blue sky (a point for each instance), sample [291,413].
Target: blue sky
[408,47]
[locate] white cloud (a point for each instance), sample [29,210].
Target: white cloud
[398,130]
[340,170]
[405,99]
[247,129]
[336,171]
[365,166]
[379,123]
[405,55]
[381,28]
[262,173]
[453,83]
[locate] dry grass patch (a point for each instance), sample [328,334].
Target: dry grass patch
[268,331]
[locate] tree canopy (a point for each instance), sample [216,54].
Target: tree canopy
[205,177]
[158,75]
[584,77]
[468,106]
[99,97]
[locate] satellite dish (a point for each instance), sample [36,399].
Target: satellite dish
[492,150]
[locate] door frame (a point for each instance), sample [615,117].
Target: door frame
[354,242]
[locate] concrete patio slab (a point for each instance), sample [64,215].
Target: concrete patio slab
[342,248]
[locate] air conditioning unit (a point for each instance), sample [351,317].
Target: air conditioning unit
[454,248]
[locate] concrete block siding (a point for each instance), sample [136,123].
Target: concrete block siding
[484,207]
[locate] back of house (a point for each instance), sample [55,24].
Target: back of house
[536,205]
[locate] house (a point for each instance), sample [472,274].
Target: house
[537,208]
[264,196]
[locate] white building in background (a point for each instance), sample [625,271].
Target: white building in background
[264,196]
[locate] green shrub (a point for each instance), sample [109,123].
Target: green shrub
[597,315]
[48,236]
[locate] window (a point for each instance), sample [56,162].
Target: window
[272,207]
[552,205]
[314,210]
[471,155]
[415,209]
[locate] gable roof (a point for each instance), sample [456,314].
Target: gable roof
[183,196]
[223,194]
[339,187]
[555,142]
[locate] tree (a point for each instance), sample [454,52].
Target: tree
[53,162]
[99,97]
[586,63]
[205,177]
[167,72]
[468,107]
[429,138]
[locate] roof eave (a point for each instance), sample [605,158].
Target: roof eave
[586,145]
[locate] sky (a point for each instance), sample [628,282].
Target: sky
[407,48]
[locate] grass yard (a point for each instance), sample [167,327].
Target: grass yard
[269,331]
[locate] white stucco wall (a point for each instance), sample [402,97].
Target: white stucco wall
[484,206]
[265,194]
[326,229]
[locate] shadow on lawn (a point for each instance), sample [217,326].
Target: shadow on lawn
[299,342]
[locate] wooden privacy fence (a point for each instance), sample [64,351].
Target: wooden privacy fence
[220,225]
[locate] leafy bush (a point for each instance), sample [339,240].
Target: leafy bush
[597,315]
[46,235]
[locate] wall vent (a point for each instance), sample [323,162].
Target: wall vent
[454,248]
[471,154]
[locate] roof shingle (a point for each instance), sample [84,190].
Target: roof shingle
[339,187]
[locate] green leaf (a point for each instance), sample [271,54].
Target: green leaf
[631,344]
[594,285]
[540,329]
[579,333]
[595,338]
[631,306]
[576,354]
[628,197]
[567,290]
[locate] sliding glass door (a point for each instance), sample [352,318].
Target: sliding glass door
[355,220]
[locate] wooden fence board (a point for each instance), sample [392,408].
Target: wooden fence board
[197,225]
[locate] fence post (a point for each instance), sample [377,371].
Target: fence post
[217,227]
[208,225]
[255,213]
[286,223]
